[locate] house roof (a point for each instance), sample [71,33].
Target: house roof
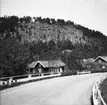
[102,57]
[45,64]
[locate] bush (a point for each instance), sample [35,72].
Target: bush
[98,70]
[68,73]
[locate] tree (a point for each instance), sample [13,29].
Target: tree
[21,20]
[46,20]
[8,23]
[53,21]
[60,22]
[51,45]
[69,22]
[13,57]
[27,19]
[39,19]
[66,45]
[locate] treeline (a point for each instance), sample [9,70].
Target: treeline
[10,22]
[25,39]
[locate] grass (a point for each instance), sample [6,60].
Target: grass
[91,99]
[103,89]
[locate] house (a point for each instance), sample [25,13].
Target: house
[100,62]
[51,66]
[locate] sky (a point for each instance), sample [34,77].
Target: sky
[89,13]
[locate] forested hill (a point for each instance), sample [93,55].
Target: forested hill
[25,39]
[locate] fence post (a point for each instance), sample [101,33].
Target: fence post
[10,80]
[42,74]
[29,76]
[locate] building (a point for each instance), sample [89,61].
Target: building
[52,66]
[100,62]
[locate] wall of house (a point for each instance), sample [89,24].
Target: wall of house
[45,70]
[56,69]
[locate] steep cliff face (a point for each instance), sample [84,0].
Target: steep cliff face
[48,29]
[33,32]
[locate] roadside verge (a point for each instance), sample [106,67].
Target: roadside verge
[96,93]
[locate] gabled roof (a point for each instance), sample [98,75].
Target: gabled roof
[102,57]
[45,64]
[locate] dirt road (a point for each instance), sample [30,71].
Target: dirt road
[69,90]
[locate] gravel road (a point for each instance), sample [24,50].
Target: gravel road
[69,90]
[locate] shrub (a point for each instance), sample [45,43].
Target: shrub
[68,73]
[98,70]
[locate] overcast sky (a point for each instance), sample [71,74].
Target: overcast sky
[89,13]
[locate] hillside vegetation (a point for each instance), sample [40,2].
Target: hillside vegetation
[25,39]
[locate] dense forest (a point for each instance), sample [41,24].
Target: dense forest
[25,39]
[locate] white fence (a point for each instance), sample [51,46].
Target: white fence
[97,97]
[25,78]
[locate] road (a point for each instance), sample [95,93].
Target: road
[69,90]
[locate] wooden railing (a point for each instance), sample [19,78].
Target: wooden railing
[24,78]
